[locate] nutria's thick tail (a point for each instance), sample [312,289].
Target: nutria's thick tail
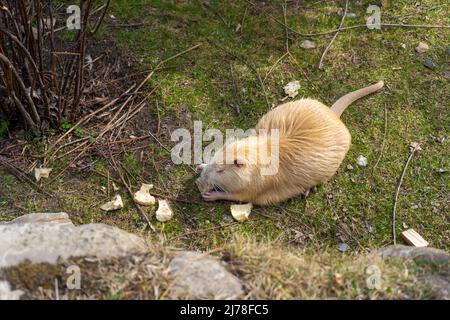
[340,105]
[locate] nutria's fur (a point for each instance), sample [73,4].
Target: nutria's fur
[313,141]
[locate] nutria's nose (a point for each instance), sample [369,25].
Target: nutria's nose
[200,167]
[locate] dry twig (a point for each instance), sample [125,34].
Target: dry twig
[334,37]
[413,150]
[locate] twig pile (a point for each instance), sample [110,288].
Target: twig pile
[111,136]
[41,76]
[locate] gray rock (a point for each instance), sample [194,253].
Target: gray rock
[424,254]
[439,285]
[429,64]
[46,242]
[202,276]
[227,219]
[343,247]
[438,281]
[60,218]
[7,294]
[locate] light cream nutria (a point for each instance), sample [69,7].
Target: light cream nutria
[312,143]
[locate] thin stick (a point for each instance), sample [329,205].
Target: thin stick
[415,148]
[253,68]
[274,65]
[167,149]
[125,184]
[394,25]
[159,118]
[288,52]
[102,17]
[334,37]
[384,137]
[156,194]
[284,5]
[128,25]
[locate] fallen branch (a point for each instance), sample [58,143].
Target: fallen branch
[415,147]
[384,138]
[334,37]
[127,186]
[23,177]
[393,25]
[253,68]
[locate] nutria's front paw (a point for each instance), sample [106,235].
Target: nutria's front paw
[219,195]
[308,191]
[212,196]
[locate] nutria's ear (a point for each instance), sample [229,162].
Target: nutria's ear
[238,163]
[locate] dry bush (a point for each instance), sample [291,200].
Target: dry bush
[41,75]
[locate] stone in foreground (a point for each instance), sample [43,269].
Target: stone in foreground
[46,242]
[200,276]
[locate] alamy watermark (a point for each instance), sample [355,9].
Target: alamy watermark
[73,281]
[73,22]
[374,20]
[373,281]
[252,147]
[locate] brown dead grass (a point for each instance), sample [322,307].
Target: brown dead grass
[273,271]
[267,271]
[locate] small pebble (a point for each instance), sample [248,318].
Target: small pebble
[429,64]
[350,167]
[422,47]
[291,89]
[227,219]
[307,44]
[362,161]
[342,247]
[350,15]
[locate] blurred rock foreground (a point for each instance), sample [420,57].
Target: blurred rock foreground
[35,248]
[47,238]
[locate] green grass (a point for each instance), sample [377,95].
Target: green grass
[206,84]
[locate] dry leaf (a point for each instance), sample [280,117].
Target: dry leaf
[114,204]
[40,173]
[164,212]
[291,89]
[241,212]
[143,196]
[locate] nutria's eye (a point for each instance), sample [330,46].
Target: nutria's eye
[238,163]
